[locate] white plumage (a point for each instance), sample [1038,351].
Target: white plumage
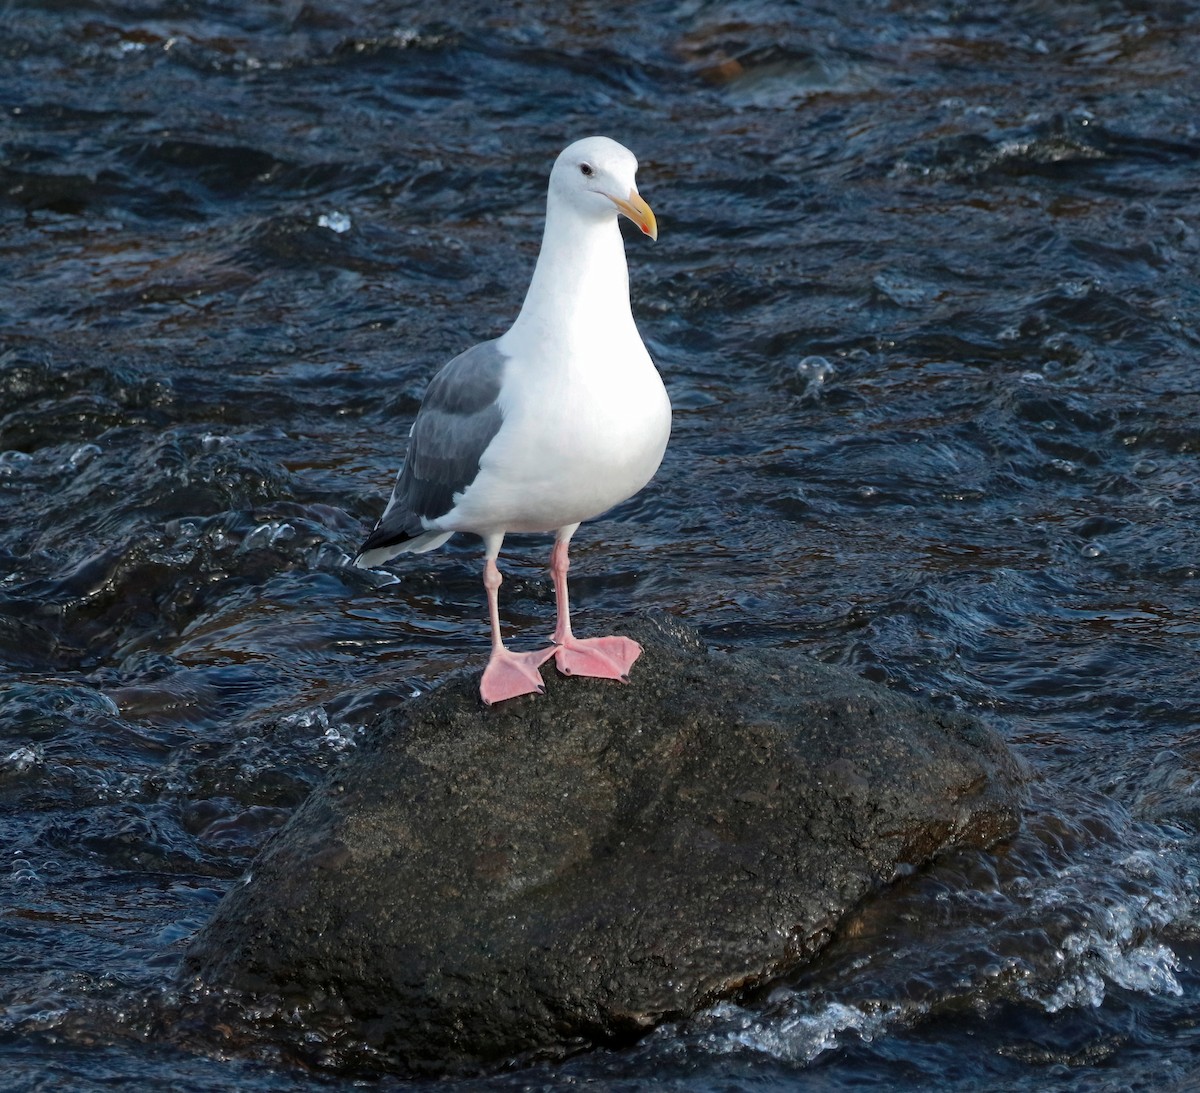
[549,425]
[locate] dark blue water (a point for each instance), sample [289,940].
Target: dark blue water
[927,301]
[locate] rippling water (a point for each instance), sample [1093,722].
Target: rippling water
[926,299]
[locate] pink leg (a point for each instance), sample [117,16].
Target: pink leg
[507,674]
[602,658]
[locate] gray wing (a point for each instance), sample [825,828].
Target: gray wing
[456,422]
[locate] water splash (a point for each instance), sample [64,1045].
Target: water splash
[793,1030]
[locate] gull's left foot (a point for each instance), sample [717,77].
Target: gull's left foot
[601,658]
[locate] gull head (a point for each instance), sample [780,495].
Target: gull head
[596,177]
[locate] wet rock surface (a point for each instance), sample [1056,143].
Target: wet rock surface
[575,868]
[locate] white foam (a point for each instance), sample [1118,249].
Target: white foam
[336,737]
[315,717]
[1111,950]
[21,759]
[798,1035]
[335,222]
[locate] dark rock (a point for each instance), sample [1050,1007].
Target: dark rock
[574,868]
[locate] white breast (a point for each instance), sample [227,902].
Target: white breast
[576,441]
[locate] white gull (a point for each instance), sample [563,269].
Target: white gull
[550,424]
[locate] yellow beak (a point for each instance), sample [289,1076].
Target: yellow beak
[639,212]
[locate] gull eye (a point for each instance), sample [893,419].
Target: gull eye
[586,170]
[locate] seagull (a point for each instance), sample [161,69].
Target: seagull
[553,423]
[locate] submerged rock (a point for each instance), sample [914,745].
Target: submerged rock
[577,867]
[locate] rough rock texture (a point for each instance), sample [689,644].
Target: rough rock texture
[576,867]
